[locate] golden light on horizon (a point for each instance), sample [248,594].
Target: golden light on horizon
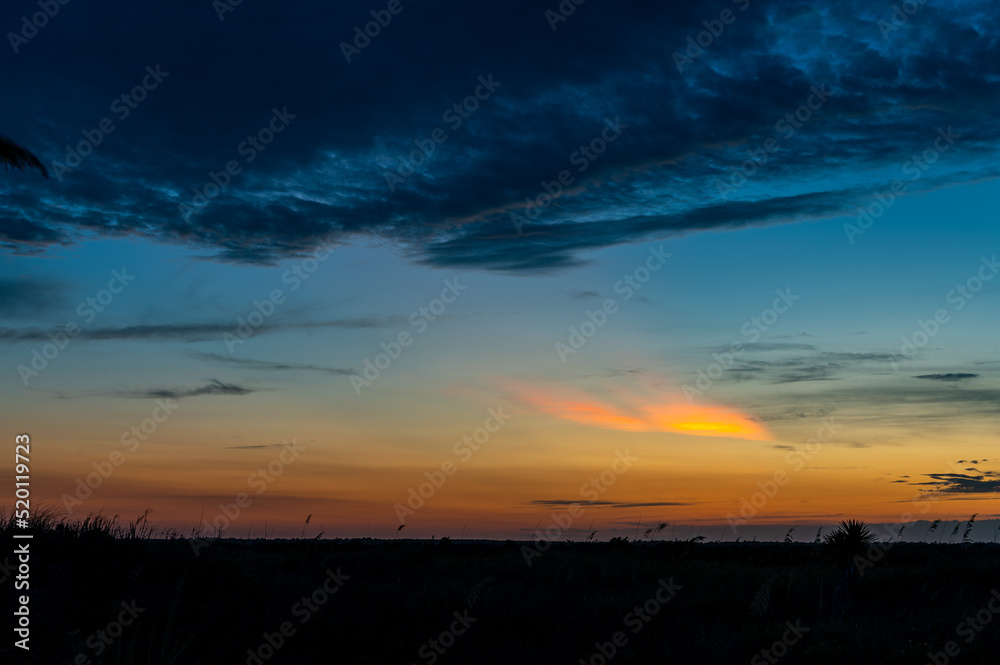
[641,413]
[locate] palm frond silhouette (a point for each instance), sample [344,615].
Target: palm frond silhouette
[852,539]
[15,156]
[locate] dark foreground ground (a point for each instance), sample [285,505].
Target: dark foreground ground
[97,599]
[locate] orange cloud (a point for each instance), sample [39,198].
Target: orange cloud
[634,412]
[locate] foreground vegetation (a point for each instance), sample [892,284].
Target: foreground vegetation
[104,592]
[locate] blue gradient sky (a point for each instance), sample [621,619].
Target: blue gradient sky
[836,355]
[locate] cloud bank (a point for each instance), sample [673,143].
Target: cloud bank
[826,103]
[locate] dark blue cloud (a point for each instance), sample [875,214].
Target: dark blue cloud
[185,332]
[960,483]
[880,97]
[213,387]
[27,297]
[950,377]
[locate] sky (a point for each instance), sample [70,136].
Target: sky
[504,269]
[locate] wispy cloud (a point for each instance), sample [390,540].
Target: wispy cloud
[213,387]
[987,482]
[262,446]
[957,376]
[559,503]
[189,332]
[793,362]
[29,297]
[636,410]
[249,363]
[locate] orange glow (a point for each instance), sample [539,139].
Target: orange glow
[641,413]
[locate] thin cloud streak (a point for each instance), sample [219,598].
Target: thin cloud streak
[269,365]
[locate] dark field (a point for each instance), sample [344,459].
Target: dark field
[101,599]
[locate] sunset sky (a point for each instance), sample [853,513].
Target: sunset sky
[652,260]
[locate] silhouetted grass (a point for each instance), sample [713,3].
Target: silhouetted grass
[212,607]
[47,520]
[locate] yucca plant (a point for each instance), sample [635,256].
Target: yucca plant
[851,540]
